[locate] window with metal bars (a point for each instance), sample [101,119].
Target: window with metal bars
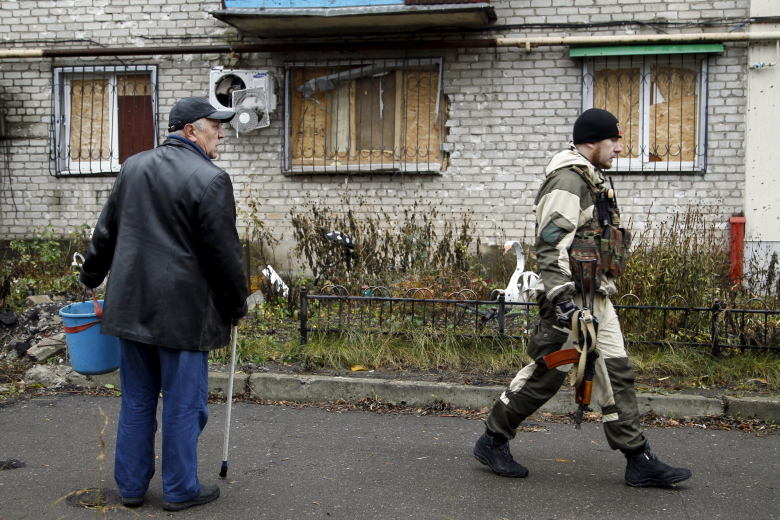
[661,103]
[102,116]
[364,116]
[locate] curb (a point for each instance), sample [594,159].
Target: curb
[314,388]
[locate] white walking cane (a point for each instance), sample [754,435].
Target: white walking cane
[224,468]
[253,300]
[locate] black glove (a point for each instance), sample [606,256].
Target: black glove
[564,311]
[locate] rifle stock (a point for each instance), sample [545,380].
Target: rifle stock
[561,357]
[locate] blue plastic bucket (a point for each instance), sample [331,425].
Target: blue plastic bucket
[90,352]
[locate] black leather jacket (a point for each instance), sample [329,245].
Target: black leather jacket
[168,235]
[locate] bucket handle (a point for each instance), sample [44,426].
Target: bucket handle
[85,326]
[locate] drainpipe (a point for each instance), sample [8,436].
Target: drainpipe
[737,255]
[521,43]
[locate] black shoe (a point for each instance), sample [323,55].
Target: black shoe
[132,501]
[646,470]
[493,451]
[207,494]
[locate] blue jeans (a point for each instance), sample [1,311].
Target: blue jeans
[182,376]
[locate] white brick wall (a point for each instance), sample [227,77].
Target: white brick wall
[509,113]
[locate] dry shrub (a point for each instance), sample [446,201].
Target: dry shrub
[686,256]
[390,244]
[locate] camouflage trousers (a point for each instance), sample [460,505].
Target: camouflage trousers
[613,383]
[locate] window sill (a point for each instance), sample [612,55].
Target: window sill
[356,169]
[651,171]
[77,173]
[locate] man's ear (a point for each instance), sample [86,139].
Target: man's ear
[189,132]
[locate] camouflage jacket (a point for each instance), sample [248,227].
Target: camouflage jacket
[565,203]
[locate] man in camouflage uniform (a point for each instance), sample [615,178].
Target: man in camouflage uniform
[565,210]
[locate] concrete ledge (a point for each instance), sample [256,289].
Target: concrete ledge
[112,378]
[284,387]
[218,383]
[679,405]
[764,408]
[313,388]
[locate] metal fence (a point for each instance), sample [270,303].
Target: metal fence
[375,310]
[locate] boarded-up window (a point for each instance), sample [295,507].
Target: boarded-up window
[103,116]
[359,116]
[659,101]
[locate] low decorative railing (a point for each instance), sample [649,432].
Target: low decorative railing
[333,310]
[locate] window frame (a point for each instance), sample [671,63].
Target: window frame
[357,71]
[61,116]
[644,165]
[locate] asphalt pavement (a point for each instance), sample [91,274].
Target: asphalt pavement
[288,463]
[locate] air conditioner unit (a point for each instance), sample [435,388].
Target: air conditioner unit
[251,106]
[223,82]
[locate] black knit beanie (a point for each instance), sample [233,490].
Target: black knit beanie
[595,125]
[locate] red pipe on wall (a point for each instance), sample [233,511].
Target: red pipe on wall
[737,256]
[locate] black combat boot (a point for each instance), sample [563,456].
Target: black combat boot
[492,449]
[645,470]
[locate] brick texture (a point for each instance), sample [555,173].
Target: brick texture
[509,112]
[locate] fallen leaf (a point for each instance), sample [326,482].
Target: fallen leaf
[358,368]
[108,385]
[759,379]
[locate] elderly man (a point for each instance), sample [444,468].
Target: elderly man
[168,236]
[576,215]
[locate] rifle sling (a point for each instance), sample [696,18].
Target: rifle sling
[579,319]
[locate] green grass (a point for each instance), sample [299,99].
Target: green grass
[668,366]
[412,351]
[690,367]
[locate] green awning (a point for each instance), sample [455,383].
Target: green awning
[637,50]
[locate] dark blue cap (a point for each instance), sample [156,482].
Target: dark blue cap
[189,110]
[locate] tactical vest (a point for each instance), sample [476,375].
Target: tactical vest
[602,238]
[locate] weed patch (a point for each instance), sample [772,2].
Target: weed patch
[40,265]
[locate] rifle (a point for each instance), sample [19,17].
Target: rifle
[584,353]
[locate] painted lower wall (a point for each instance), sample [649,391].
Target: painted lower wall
[762,152]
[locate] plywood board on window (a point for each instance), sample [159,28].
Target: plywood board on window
[673,114]
[339,110]
[375,105]
[376,121]
[90,121]
[617,90]
[309,118]
[422,131]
